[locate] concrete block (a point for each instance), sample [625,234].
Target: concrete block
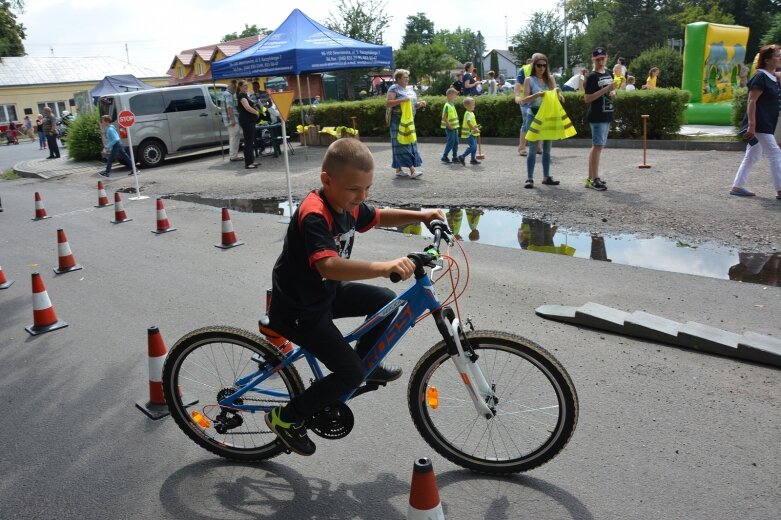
[759,348]
[601,317]
[557,313]
[709,339]
[655,328]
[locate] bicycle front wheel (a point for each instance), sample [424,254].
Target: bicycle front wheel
[535,416]
[202,368]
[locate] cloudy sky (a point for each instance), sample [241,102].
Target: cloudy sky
[155,30]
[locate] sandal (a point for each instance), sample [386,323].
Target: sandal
[523,153]
[741,192]
[529,184]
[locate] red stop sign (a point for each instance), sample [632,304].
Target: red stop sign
[126,119]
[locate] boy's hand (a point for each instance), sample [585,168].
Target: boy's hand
[432,214]
[403,266]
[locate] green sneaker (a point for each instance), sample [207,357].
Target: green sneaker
[292,435]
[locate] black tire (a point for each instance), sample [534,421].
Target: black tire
[535,417]
[205,362]
[151,153]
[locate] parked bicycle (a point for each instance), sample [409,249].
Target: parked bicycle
[488,401]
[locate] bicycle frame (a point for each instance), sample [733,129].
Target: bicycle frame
[410,305]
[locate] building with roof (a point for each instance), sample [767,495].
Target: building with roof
[28,83]
[193,66]
[508,63]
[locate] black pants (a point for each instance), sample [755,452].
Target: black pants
[248,129]
[54,150]
[320,336]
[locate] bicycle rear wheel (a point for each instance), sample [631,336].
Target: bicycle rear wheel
[534,418]
[203,366]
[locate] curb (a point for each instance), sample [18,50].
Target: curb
[52,168]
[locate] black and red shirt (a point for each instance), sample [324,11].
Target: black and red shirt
[315,231]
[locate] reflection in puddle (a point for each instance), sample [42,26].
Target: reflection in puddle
[513,230]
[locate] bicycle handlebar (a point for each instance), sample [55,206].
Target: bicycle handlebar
[426,259]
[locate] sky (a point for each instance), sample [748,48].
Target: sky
[156,30]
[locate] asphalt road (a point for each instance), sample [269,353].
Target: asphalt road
[663,432]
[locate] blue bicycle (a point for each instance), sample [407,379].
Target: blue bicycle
[488,401]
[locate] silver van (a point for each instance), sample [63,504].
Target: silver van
[168,121]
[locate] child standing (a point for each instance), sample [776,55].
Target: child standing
[314,281]
[450,124]
[630,83]
[470,130]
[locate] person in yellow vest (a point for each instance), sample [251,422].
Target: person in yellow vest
[523,73]
[534,88]
[618,77]
[450,124]
[473,219]
[454,218]
[469,130]
[402,103]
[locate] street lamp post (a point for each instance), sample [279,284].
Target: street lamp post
[564,72]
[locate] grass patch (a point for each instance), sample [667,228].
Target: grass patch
[10,175]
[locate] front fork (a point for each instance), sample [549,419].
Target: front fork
[478,388]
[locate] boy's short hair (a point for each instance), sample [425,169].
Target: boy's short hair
[469,100]
[630,79]
[106,118]
[347,152]
[451,90]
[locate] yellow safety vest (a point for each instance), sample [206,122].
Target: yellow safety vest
[454,218]
[406,134]
[449,112]
[465,130]
[551,123]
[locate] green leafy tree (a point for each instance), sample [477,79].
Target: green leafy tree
[423,61]
[542,34]
[363,20]
[584,12]
[249,30]
[11,33]
[707,12]
[639,25]
[773,34]
[419,29]
[495,62]
[464,44]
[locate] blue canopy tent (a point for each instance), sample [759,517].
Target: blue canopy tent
[114,84]
[298,45]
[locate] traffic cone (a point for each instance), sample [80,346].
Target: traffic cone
[162,220]
[4,284]
[40,211]
[44,318]
[67,260]
[424,501]
[155,408]
[119,210]
[102,197]
[228,236]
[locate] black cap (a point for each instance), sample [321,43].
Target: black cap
[599,52]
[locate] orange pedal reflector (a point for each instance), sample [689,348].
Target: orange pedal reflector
[200,419]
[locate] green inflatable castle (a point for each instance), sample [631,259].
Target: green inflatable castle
[711,64]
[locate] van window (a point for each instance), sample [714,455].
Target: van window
[184,100]
[106,107]
[146,104]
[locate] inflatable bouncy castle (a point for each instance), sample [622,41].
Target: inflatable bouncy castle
[712,57]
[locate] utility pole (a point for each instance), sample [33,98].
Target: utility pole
[564,72]
[127,54]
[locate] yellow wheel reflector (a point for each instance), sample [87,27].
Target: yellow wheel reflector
[432,396]
[200,419]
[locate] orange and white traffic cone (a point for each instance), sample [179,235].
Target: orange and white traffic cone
[4,283]
[155,408]
[119,210]
[228,235]
[424,501]
[162,220]
[102,197]
[67,260]
[40,211]
[44,318]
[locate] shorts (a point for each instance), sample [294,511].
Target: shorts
[599,133]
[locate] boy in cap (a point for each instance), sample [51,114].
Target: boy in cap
[600,92]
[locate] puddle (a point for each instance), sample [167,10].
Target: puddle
[514,230]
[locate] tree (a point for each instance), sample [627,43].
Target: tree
[419,29]
[584,12]
[542,34]
[639,25]
[773,34]
[423,60]
[362,20]
[495,62]
[709,12]
[463,44]
[249,30]
[11,32]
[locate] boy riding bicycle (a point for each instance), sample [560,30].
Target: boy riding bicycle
[314,283]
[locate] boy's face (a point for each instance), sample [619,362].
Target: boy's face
[469,106]
[452,96]
[347,189]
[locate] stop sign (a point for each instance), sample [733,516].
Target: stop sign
[126,119]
